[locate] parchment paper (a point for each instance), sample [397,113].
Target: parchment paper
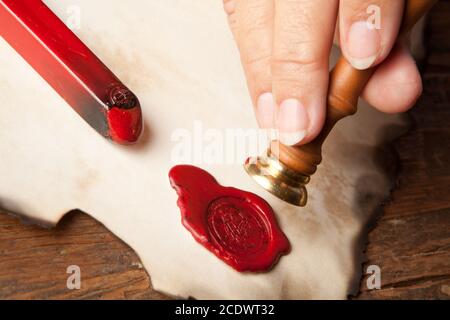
[180,59]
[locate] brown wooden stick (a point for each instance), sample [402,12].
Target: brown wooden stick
[346,86]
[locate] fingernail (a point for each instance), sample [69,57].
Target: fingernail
[363,45]
[292,122]
[265,110]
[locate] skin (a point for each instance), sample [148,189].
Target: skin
[285,47]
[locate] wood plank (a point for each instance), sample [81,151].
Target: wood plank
[411,241]
[34,261]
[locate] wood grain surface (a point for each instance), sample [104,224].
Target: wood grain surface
[410,241]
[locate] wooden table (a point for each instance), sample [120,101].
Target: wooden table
[410,241]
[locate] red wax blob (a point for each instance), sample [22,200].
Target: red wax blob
[237,226]
[125,125]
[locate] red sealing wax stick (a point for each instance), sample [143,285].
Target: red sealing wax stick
[237,226]
[68,65]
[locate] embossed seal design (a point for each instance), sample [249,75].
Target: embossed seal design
[122,97]
[124,115]
[239,227]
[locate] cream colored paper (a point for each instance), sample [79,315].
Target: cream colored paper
[180,59]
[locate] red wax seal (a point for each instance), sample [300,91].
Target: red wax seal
[237,226]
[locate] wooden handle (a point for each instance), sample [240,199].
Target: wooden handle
[346,85]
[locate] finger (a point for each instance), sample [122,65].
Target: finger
[368,30]
[303,35]
[396,85]
[251,22]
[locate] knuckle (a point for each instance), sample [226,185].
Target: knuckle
[292,65]
[229,6]
[256,64]
[300,73]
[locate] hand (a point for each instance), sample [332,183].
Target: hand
[285,47]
